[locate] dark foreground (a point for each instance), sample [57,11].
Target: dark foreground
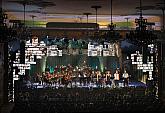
[50,100]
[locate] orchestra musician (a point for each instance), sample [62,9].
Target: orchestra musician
[48,78]
[89,78]
[54,78]
[103,79]
[74,77]
[86,75]
[93,74]
[81,77]
[69,77]
[38,78]
[84,78]
[43,77]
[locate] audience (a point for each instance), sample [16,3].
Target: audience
[85,100]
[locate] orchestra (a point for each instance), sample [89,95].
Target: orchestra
[67,75]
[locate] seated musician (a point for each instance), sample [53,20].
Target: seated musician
[74,77]
[80,77]
[69,79]
[38,78]
[43,78]
[116,77]
[92,76]
[125,77]
[60,77]
[103,79]
[54,78]
[89,78]
[66,78]
[85,78]
[49,77]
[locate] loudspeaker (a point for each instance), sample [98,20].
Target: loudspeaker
[22,52]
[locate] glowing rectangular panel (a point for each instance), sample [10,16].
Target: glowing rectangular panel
[107,49]
[106,53]
[15,78]
[39,57]
[141,67]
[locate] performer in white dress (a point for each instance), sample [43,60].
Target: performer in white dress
[116,75]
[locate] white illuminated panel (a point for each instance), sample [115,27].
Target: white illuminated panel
[35,41]
[53,51]
[33,51]
[144,67]
[42,44]
[151,46]
[106,53]
[60,52]
[108,49]
[39,57]
[92,53]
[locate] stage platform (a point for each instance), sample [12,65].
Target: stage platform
[120,84]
